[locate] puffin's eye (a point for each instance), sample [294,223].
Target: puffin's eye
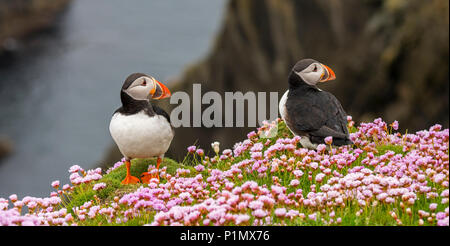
[144,83]
[315,68]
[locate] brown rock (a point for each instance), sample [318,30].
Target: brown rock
[390,58]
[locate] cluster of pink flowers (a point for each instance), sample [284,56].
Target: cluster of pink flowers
[275,182]
[41,211]
[85,177]
[48,210]
[214,197]
[116,165]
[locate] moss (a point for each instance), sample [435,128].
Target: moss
[85,193]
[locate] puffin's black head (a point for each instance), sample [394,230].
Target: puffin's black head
[311,72]
[140,86]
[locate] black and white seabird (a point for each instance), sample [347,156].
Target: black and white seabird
[139,128]
[310,112]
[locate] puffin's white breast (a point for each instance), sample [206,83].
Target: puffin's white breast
[141,136]
[283,110]
[282,105]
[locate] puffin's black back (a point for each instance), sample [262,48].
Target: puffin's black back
[315,113]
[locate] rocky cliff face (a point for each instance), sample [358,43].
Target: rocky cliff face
[20,18]
[391,58]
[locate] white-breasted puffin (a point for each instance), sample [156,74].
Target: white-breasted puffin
[310,112]
[139,128]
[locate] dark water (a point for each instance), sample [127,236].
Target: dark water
[56,99]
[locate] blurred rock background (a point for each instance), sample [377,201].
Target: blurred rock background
[62,64]
[391,58]
[21,18]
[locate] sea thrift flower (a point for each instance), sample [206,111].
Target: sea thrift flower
[199,168]
[256,183]
[321,148]
[191,149]
[259,213]
[328,140]
[13,198]
[242,218]
[99,186]
[433,206]
[55,184]
[75,169]
[394,125]
[294,183]
[200,152]
[298,173]
[280,212]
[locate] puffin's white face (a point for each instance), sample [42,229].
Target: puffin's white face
[145,88]
[315,73]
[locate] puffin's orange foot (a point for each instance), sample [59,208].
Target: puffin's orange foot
[146,177]
[130,180]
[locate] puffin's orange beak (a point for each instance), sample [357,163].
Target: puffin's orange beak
[328,74]
[160,91]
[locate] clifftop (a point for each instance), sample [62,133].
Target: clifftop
[385,178]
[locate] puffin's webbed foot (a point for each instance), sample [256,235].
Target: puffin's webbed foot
[129,179]
[147,176]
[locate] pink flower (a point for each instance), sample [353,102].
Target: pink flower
[298,173]
[251,135]
[294,183]
[319,177]
[75,168]
[13,198]
[259,213]
[321,148]
[66,187]
[328,140]
[99,186]
[242,218]
[280,212]
[395,125]
[191,149]
[433,206]
[199,168]
[200,152]
[55,184]
[443,222]
[440,216]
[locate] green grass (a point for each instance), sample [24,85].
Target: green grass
[352,214]
[85,193]
[382,149]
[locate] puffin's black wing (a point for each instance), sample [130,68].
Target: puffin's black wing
[318,114]
[160,111]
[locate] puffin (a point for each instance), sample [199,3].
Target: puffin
[139,128]
[310,112]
